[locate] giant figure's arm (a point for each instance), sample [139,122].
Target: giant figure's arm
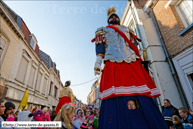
[100,49]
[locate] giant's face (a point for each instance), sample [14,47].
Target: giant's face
[114,19]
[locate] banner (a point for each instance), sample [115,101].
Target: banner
[24,101]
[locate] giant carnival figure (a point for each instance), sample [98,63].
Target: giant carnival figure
[126,89]
[66,96]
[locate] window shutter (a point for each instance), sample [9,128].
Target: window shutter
[2,44]
[44,87]
[39,82]
[50,88]
[31,78]
[22,70]
[55,91]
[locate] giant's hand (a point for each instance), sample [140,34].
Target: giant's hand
[97,66]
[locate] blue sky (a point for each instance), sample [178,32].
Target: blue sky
[64,30]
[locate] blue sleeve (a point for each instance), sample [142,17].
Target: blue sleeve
[100,48]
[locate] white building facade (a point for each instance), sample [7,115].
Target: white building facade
[21,67]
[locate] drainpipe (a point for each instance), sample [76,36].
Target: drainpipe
[169,61]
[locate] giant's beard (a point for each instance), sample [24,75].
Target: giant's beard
[114,22]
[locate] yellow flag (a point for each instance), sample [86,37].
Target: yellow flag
[24,101]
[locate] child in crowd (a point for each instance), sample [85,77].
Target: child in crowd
[66,115]
[187,119]
[177,122]
[79,118]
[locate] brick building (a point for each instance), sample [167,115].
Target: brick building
[175,23]
[165,28]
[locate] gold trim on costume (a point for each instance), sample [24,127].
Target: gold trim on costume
[97,69]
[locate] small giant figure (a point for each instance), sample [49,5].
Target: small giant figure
[66,96]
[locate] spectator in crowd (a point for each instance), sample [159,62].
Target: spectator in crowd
[79,118]
[177,123]
[88,114]
[84,111]
[33,110]
[84,125]
[131,105]
[187,119]
[53,115]
[46,115]
[9,112]
[2,109]
[38,115]
[168,111]
[90,122]
[66,115]
[50,112]
[96,115]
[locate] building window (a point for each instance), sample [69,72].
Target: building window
[190,78]
[44,87]
[32,43]
[184,9]
[31,77]
[39,81]
[55,91]
[50,88]
[2,46]
[22,70]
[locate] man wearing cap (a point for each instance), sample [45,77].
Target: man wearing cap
[123,78]
[66,96]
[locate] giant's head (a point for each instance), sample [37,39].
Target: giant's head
[67,83]
[113,18]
